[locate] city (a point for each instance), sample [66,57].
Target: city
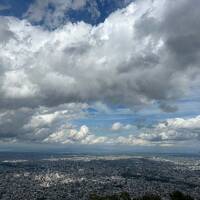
[79,176]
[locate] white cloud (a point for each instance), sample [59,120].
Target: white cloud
[80,62]
[82,136]
[36,124]
[5,33]
[54,13]
[178,123]
[117,126]
[132,140]
[136,57]
[40,11]
[79,135]
[16,84]
[54,126]
[42,120]
[175,130]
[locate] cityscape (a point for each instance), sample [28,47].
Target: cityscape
[77,177]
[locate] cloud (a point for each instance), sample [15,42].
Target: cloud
[55,126]
[36,124]
[102,107]
[141,54]
[167,107]
[5,33]
[73,136]
[174,130]
[69,135]
[168,133]
[132,141]
[52,13]
[171,132]
[84,136]
[17,85]
[84,63]
[117,126]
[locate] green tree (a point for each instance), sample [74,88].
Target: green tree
[177,195]
[150,197]
[124,196]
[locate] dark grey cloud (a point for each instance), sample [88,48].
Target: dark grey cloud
[167,107]
[181,28]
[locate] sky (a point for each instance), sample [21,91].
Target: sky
[100,74]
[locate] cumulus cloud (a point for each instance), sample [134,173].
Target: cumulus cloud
[54,125]
[17,85]
[84,136]
[174,130]
[5,33]
[73,136]
[142,54]
[167,133]
[36,124]
[79,62]
[132,140]
[117,126]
